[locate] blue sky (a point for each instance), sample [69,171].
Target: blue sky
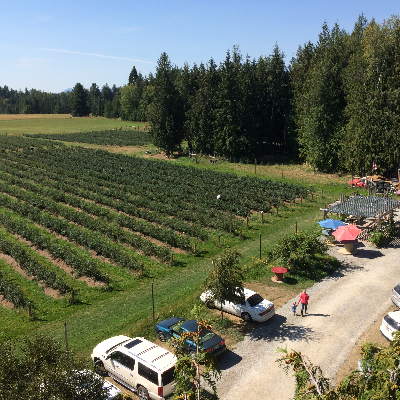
[51,45]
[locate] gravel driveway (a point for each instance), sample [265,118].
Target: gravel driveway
[341,308]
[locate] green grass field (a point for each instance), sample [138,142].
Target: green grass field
[128,308]
[34,124]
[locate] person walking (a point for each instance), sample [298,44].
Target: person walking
[304,297]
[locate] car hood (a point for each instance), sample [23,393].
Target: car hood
[106,345]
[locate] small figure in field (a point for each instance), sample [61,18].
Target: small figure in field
[304,297]
[294,306]
[121,169]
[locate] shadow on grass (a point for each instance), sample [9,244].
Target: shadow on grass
[289,280]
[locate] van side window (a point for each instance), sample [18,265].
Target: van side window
[148,373]
[123,359]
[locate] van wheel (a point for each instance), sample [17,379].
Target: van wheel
[209,304]
[99,368]
[246,317]
[161,336]
[142,393]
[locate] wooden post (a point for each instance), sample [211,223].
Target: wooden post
[172,257]
[65,335]
[29,309]
[107,281]
[195,247]
[260,246]
[141,269]
[296,227]
[219,240]
[213,263]
[247,221]
[262,216]
[152,298]
[282,170]
[72,295]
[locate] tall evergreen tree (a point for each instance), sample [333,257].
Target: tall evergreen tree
[165,113]
[79,101]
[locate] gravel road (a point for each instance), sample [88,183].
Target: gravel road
[341,308]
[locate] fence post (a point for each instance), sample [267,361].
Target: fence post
[260,246]
[152,298]
[65,336]
[29,309]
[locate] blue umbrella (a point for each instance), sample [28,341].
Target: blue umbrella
[331,223]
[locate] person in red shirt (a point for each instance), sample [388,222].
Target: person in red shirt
[304,297]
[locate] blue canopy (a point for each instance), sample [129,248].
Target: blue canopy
[331,223]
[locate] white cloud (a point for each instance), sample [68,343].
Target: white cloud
[97,55]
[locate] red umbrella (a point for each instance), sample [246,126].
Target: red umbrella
[348,232]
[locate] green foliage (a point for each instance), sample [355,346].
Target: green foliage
[301,253]
[189,376]
[79,101]
[379,378]
[40,370]
[377,237]
[225,281]
[165,113]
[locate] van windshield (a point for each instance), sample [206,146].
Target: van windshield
[167,377]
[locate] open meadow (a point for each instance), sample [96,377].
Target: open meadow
[88,233]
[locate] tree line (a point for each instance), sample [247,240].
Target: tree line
[336,105]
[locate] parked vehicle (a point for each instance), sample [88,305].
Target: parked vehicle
[252,307]
[175,327]
[140,365]
[390,324]
[396,295]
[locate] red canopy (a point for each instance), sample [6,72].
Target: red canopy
[348,232]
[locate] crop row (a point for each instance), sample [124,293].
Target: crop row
[78,259]
[112,230]
[104,138]
[11,291]
[82,236]
[33,263]
[168,182]
[122,199]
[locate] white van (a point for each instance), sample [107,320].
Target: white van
[140,365]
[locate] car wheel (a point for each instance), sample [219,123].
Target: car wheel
[161,336]
[209,304]
[246,317]
[142,393]
[99,368]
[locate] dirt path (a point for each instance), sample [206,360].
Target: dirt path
[341,309]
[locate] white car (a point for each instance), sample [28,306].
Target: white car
[390,324]
[253,308]
[396,295]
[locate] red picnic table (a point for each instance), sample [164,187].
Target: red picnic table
[279,271]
